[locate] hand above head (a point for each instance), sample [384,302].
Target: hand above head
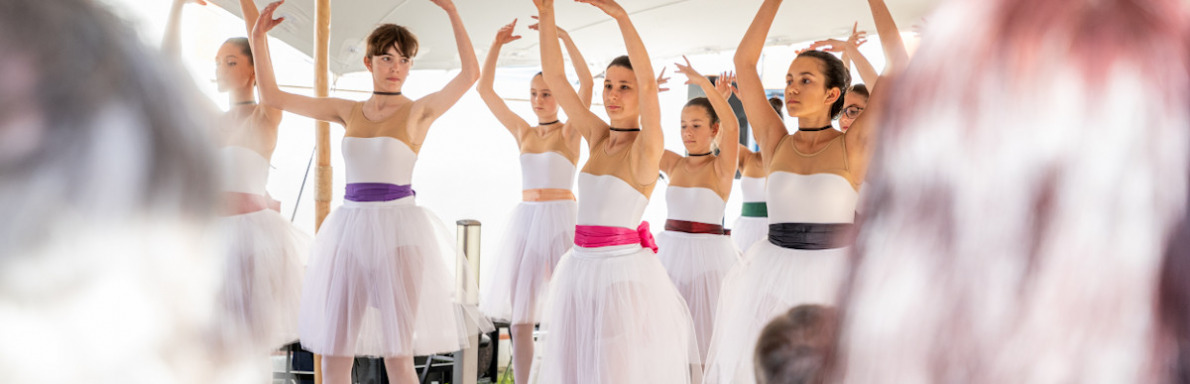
[447,5]
[543,4]
[692,76]
[662,80]
[266,22]
[505,36]
[726,85]
[536,27]
[610,7]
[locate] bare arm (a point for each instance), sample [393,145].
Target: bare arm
[767,127]
[553,71]
[435,104]
[861,132]
[586,83]
[651,141]
[171,42]
[668,160]
[729,126]
[328,109]
[251,14]
[487,77]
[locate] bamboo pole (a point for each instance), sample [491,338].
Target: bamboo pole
[323,180]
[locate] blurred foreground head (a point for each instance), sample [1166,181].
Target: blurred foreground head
[1032,169]
[106,195]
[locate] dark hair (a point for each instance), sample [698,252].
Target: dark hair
[245,48]
[388,35]
[621,61]
[793,347]
[836,75]
[705,103]
[860,89]
[777,104]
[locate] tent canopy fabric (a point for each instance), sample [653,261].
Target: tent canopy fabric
[669,27]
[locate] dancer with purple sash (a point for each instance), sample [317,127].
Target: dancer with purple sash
[378,282]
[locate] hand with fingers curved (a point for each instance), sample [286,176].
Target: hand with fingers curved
[662,80]
[266,22]
[561,32]
[857,37]
[725,84]
[692,76]
[543,4]
[505,36]
[610,7]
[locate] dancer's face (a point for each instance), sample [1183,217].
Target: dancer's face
[805,88]
[697,130]
[853,105]
[619,93]
[233,69]
[389,70]
[542,99]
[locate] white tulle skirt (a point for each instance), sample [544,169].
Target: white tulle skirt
[614,317]
[770,281]
[537,236]
[697,264]
[749,230]
[262,278]
[381,282]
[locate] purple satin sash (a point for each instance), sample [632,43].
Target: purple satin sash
[364,192]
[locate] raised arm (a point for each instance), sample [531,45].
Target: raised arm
[435,104]
[553,71]
[767,127]
[328,109]
[171,42]
[586,83]
[651,141]
[251,14]
[862,130]
[511,121]
[729,126]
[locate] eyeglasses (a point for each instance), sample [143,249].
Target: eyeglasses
[852,112]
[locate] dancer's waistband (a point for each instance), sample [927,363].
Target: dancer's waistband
[546,194]
[695,227]
[810,236]
[593,236]
[755,209]
[239,203]
[377,192]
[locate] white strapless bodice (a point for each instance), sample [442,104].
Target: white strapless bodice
[753,189]
[700,205]
[378,160]
[549,170]
[244,170]
[817,198]
[608,201]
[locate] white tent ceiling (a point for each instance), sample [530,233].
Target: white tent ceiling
[669,27]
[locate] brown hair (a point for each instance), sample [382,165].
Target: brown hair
[392,35]
[245,48]
[793,347]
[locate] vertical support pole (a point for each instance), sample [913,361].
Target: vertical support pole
[322,130]
[466,364]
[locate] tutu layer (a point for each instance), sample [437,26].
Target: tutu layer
[380,283]
[614,317]
[262,279]
[770,281]
[748,230]
[697,264]
[537,236]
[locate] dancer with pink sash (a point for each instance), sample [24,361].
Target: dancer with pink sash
[613,316]
[542,226]
[265,253]
[379,283]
